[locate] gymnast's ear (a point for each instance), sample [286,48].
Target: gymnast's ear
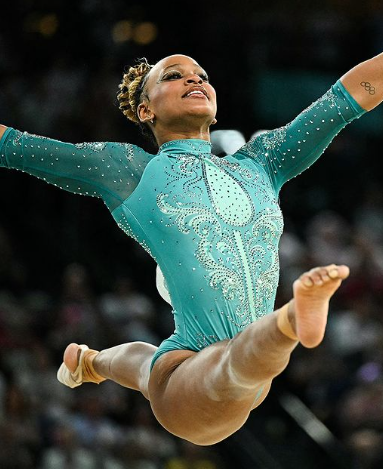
[144,113]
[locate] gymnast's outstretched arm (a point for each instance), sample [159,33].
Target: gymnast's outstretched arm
[109,170]
[285,152]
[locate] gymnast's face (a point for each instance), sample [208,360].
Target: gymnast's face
[178,93]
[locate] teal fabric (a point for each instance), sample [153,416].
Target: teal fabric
[211,223]
[108,170]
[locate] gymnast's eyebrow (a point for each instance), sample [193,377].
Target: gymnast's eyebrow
[180,65]
[170,66]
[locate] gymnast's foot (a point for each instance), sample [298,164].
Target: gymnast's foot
[77,367]
[312,292]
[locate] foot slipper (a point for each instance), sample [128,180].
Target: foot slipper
[72,380]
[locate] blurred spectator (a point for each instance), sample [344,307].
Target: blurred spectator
[367,446]
[147,437]
[130,311]
[193,457]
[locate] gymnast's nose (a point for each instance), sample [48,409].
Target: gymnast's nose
[194,78]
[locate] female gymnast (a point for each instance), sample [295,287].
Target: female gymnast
[213,226]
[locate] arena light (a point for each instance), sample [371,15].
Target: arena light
[226,141]
[122,31]
[48,25]
[145,33]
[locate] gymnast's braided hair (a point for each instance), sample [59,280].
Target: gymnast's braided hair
[131,91]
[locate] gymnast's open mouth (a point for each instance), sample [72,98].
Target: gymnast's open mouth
[196,92]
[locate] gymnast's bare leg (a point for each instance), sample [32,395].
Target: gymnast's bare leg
[204,397]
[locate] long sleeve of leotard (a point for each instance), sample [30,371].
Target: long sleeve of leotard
[108,170]
[287,151]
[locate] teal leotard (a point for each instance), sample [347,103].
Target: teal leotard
[212,224]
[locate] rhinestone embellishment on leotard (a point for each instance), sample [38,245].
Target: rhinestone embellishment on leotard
[94,146]
[236,244]
[275,138]
[100,146]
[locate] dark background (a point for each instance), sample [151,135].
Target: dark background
[62,254]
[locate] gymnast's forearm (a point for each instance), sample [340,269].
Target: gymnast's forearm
[365,82]
[2,130]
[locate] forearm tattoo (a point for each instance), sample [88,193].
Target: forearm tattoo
[368,87]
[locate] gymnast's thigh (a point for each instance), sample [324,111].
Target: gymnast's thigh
[192,401]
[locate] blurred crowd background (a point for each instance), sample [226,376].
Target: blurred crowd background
[67,273]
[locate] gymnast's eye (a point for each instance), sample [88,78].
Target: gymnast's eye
[204,76]
[172,76]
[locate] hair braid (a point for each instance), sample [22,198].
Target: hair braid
[131,88]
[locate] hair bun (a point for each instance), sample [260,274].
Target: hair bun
[131,89]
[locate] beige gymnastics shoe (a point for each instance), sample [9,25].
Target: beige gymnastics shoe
[77,367]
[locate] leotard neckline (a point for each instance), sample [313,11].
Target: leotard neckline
[192,146]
